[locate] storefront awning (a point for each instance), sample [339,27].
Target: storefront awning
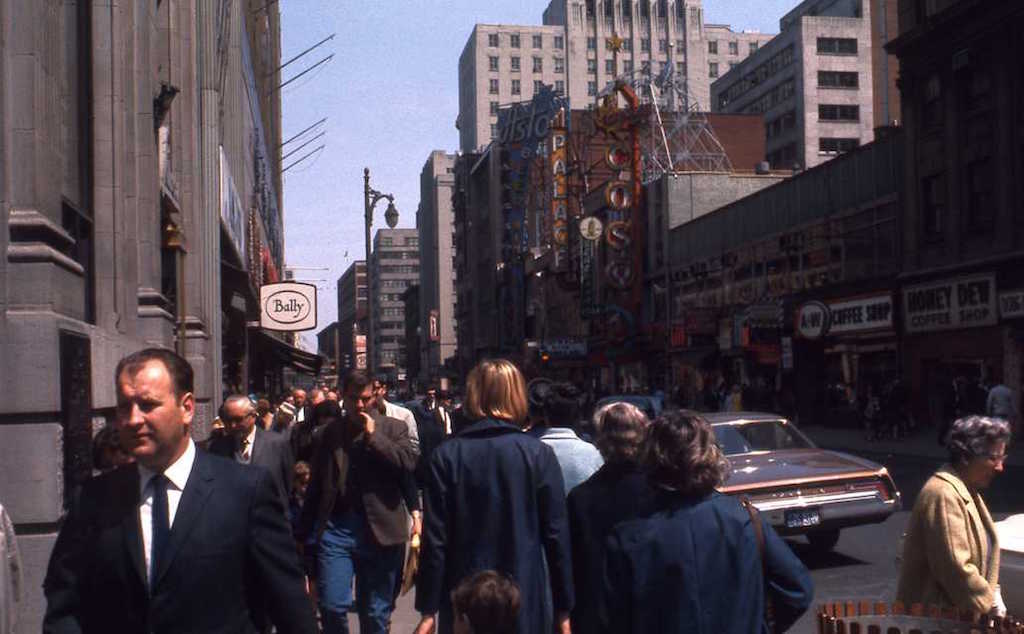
[272,350]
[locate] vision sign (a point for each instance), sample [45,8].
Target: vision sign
[288,306]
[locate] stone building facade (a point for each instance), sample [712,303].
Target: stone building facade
[352,301]
[118,125]
[436,304]
[394,267]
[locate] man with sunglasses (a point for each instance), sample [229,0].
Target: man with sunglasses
[246,443]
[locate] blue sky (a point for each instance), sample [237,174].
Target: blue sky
[391,96]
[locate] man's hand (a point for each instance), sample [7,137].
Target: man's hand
[562,623]
[417,524]
[426,625]
[368,425]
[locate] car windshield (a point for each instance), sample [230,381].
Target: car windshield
[767,435]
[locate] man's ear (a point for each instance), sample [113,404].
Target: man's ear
[188,406]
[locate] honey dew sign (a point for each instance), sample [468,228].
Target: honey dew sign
[288,306]
[965,302]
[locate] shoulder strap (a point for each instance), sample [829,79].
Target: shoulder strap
[755,521]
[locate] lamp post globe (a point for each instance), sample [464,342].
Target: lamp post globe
[391,215]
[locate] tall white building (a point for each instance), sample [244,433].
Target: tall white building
[503,64]
[813,83]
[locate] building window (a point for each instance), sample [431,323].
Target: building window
[591,88]
[837,79]
[734,48]
[712,70]
[537,86]
[560,86]
[494,131]
[492,63]
[827,112]
[559,64]
[680,47]
[609,66]
[662,46]
[492,39]
[733,65]
[516,88]
[828,145]
[538,41]
[514,40]
[494,108]
[627,44]
[753,47]
[645,45]
[680,68]
[492,87]
[712,47]
[591,65]
[591,43]
[627,66]
[627,10]
[514,63]
[837,46]
[932,109]
[385,242]
[933,206]
[538,64]
[559,41]
[981,203]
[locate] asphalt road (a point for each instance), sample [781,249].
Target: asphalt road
[865,563]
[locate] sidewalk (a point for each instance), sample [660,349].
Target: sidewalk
[921,444]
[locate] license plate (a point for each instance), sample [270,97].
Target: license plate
[803,518]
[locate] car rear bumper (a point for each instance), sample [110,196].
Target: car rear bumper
[835,511]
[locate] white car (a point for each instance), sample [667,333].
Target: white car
[1011,563]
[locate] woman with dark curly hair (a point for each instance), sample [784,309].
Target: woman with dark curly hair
[695,565]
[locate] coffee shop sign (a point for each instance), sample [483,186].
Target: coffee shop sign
[965,302]
[288,306]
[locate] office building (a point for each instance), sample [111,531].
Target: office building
[352,299]
[435,224]
[813,83]
[394,267]
[503,64]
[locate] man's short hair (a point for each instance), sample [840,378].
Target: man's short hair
[180,370]
[383,379]
[229,400]
[562,405]
[355,380]
[490,600]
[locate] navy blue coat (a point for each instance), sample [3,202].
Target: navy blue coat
[614,494]
[694,567]
[495,500]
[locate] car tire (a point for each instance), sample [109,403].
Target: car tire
[823,541]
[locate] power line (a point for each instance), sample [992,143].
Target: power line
[303,132]
[320,63]
[321,42]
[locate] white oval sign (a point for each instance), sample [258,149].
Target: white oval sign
[591,228]
[289,306]
[812,320]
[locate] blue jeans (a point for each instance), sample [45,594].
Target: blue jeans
[349,551]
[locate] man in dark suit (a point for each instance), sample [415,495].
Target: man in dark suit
[248,444]
[355,500]
[179,541]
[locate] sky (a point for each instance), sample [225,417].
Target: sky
[391,97]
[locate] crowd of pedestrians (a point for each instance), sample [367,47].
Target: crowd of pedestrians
[297,514]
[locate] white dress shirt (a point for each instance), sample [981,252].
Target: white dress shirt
[177,475]
[244,453]
[403,414]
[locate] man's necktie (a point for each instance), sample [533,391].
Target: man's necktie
[246,450]
[161,524]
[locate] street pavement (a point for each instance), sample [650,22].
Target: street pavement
[865,563]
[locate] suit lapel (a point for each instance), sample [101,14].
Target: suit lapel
[193,499]
[130,528]
[257,448]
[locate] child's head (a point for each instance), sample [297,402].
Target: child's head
[486,603]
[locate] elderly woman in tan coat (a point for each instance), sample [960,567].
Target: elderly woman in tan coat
[951,553]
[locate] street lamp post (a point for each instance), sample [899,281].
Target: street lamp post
[370,199]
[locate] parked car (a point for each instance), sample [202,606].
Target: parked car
[1011,563]
[798,488]
[650,405]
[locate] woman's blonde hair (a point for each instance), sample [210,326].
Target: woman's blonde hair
[495,388]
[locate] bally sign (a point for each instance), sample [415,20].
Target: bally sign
[815,319]
[967,302]
[288,306]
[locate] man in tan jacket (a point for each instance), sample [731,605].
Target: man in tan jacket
[951,552]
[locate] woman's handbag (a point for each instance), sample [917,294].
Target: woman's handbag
[755,521]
